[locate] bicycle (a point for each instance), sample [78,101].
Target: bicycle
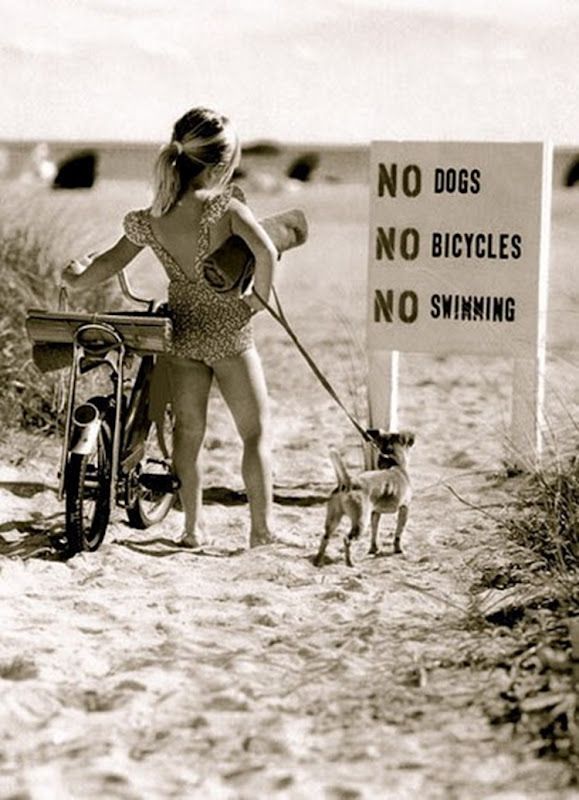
[112,452]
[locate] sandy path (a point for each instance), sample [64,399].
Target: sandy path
[142,671]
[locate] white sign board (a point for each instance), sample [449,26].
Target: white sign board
[458,235]
[458,263]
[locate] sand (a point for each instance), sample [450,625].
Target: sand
[145,671]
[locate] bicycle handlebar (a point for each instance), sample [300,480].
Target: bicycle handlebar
[128,292]
[125,287]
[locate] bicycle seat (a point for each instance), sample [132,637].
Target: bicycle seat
[98,338]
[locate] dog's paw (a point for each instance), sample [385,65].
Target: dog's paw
[320,560]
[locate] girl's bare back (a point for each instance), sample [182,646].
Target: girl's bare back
[178,231]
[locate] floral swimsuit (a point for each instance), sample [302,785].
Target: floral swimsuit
[206,326]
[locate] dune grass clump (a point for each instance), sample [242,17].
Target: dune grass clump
[25,277]
[545,516]
[541,607]
[29,278]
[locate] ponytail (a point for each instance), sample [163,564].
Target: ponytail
[167,179]
[201,138]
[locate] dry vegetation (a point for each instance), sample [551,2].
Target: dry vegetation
[39,232]
[25,269]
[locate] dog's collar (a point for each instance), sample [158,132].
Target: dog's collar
[387,462]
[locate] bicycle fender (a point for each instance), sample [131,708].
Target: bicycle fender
[84,439]
[87,422]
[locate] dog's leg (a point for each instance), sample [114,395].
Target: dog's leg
[401,522]
[334,514]
[374,522]
[353,533]
[359,512]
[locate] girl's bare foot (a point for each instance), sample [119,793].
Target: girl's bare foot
[192,540]
[258,538]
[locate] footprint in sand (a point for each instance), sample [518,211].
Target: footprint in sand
[265,620]
[342,793]
[18,669]
[228,700]
[23,706]
[252,600]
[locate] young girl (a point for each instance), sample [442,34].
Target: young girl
[194,210]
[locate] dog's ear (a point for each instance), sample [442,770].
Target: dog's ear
[376,433]
[406,438]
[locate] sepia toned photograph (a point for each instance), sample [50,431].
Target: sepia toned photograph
[289,409]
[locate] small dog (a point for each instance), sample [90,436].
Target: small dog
[365,497]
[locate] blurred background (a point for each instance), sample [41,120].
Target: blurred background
[330,72]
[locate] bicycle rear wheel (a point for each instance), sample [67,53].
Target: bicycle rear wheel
[155,485]
[88,505]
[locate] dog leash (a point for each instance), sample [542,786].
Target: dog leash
[279,315]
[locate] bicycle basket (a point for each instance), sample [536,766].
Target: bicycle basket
[52,333]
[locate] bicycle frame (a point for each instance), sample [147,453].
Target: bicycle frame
[80,435]
[83,423]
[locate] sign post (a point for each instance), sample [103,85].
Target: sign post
[458,263]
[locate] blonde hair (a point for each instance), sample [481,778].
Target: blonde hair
[201,138]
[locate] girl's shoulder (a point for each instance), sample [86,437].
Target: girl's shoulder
[137,226]
[224,201]
[237,193]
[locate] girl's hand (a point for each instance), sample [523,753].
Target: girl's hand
[70,273]
[75,268]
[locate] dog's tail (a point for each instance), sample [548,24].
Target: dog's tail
[344,480]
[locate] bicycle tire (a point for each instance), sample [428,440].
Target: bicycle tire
[149,506]
[88,480]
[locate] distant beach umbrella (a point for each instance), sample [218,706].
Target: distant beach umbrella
[303,167]
[78,171]
[572,176]
[262,149]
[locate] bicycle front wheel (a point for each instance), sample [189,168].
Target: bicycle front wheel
[88,490]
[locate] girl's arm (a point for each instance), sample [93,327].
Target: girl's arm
[101,267]
[245,225]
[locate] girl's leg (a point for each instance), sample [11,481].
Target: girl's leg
[190,385]
[242,385]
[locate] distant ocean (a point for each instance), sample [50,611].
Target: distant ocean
[134,160]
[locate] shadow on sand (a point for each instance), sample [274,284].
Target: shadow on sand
[26,489]
[41,537]
[300,496]
[218,495]
[160,547]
